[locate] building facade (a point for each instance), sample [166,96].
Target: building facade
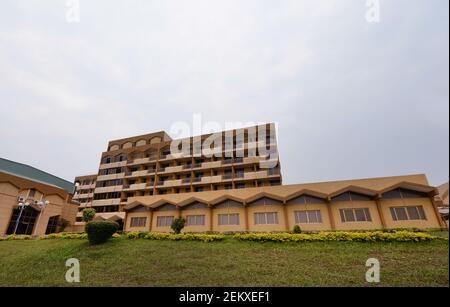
[379,203]
[231,181]
[33,202]
[149,165]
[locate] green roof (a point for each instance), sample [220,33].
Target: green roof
[34,174]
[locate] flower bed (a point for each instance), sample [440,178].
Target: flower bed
[376,236]
[174,237]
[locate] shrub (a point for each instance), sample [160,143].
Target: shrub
[64,235]
[63,224]
[174,237]
[376,236]
[16,238]
[100,231]
[297,229]
[88,214]
[178,224]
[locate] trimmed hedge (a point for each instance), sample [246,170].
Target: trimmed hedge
[100,231]
[64,235]
[376,236]
[174,237]
[16,238]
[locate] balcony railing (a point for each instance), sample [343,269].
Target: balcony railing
[238,160]
[186,180]
[197,165]
[227,176]
[239,175]
[273,172]
[196,179]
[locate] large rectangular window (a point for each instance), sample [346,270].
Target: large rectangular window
[229,219]
[355,215]
[408,213]
[308,217]
[195,220]
[266,218]
[164,221]
[138,221]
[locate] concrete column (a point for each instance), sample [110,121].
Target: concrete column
[286,217]
[380,212]
[330,214]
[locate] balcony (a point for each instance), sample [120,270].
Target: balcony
[213,164]
[172,183]
[196,179]
[239,175]
[227,176]
[227,161]
[197,165]
[110,177]
[172,169]
[136,186]
[113,165]
[238,160]
[273,172]
[116,188]
[136,173]
[106,202]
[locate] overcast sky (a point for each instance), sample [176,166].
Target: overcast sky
[352,99]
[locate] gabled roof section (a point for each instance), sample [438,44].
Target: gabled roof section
[355,189]
[307,192]
[191,200]
[226,197]
[34,174]
[411,186]
[264,194]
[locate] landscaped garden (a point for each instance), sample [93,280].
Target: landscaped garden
[154,259]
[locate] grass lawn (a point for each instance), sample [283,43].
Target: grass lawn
[124,262]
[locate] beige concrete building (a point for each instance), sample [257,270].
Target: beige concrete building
[147,165]
[33,202]
[231,181]
[391,202]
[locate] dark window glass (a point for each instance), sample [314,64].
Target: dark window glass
[342,197]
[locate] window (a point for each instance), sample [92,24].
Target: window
[408,213]
[266,218]
[52,224]
[164,221]
[229,219]
[195,220]
[240,185]
[355,215]
[138,221]
[308,217]
[31,192]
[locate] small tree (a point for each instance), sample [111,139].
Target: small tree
[63,224]
[297,229]
[88,214]
[178,224]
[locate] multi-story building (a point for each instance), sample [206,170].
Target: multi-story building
[231,181]
[155,164]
